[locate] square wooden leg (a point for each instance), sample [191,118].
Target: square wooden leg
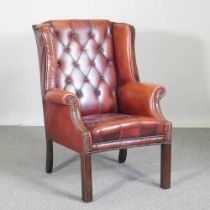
[86,176]
[165,177]
[49,156]
[122,155]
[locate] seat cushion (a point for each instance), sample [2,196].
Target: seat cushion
[114,127]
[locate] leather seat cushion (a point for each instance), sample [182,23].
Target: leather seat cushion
[114,126]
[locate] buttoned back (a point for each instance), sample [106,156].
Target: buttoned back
[89,58]
[83,62]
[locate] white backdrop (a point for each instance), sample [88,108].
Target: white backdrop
[172,47]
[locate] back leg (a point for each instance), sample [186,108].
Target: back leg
[49,156]
[122,155]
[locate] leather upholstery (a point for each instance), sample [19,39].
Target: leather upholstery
[140,99]
[63,121]
[83,62]
[112,126]
[58,96]
[123,38]
[92,97]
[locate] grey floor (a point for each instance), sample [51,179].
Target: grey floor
[133,185]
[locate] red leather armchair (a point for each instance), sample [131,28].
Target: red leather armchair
[92,98]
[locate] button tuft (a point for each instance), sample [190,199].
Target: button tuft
[86,79]
[67,49]
[100,48]
[109,62]
[58,64]
[75,64]
[73,35]
[79,93]
[55,33]
[102,78]
[92,63]
[98,92]
[68,80]
[90,34]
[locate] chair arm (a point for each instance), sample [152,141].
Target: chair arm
[59,96]
[64,122]
[141,99]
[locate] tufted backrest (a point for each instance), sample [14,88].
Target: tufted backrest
[86,57]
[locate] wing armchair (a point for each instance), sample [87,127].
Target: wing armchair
[93,100]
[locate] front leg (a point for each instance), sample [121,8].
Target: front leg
[165,180]
[86,176]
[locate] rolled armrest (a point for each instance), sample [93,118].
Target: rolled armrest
[58,96]
[64,122]
[141,99]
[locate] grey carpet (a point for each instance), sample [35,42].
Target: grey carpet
[133,185]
